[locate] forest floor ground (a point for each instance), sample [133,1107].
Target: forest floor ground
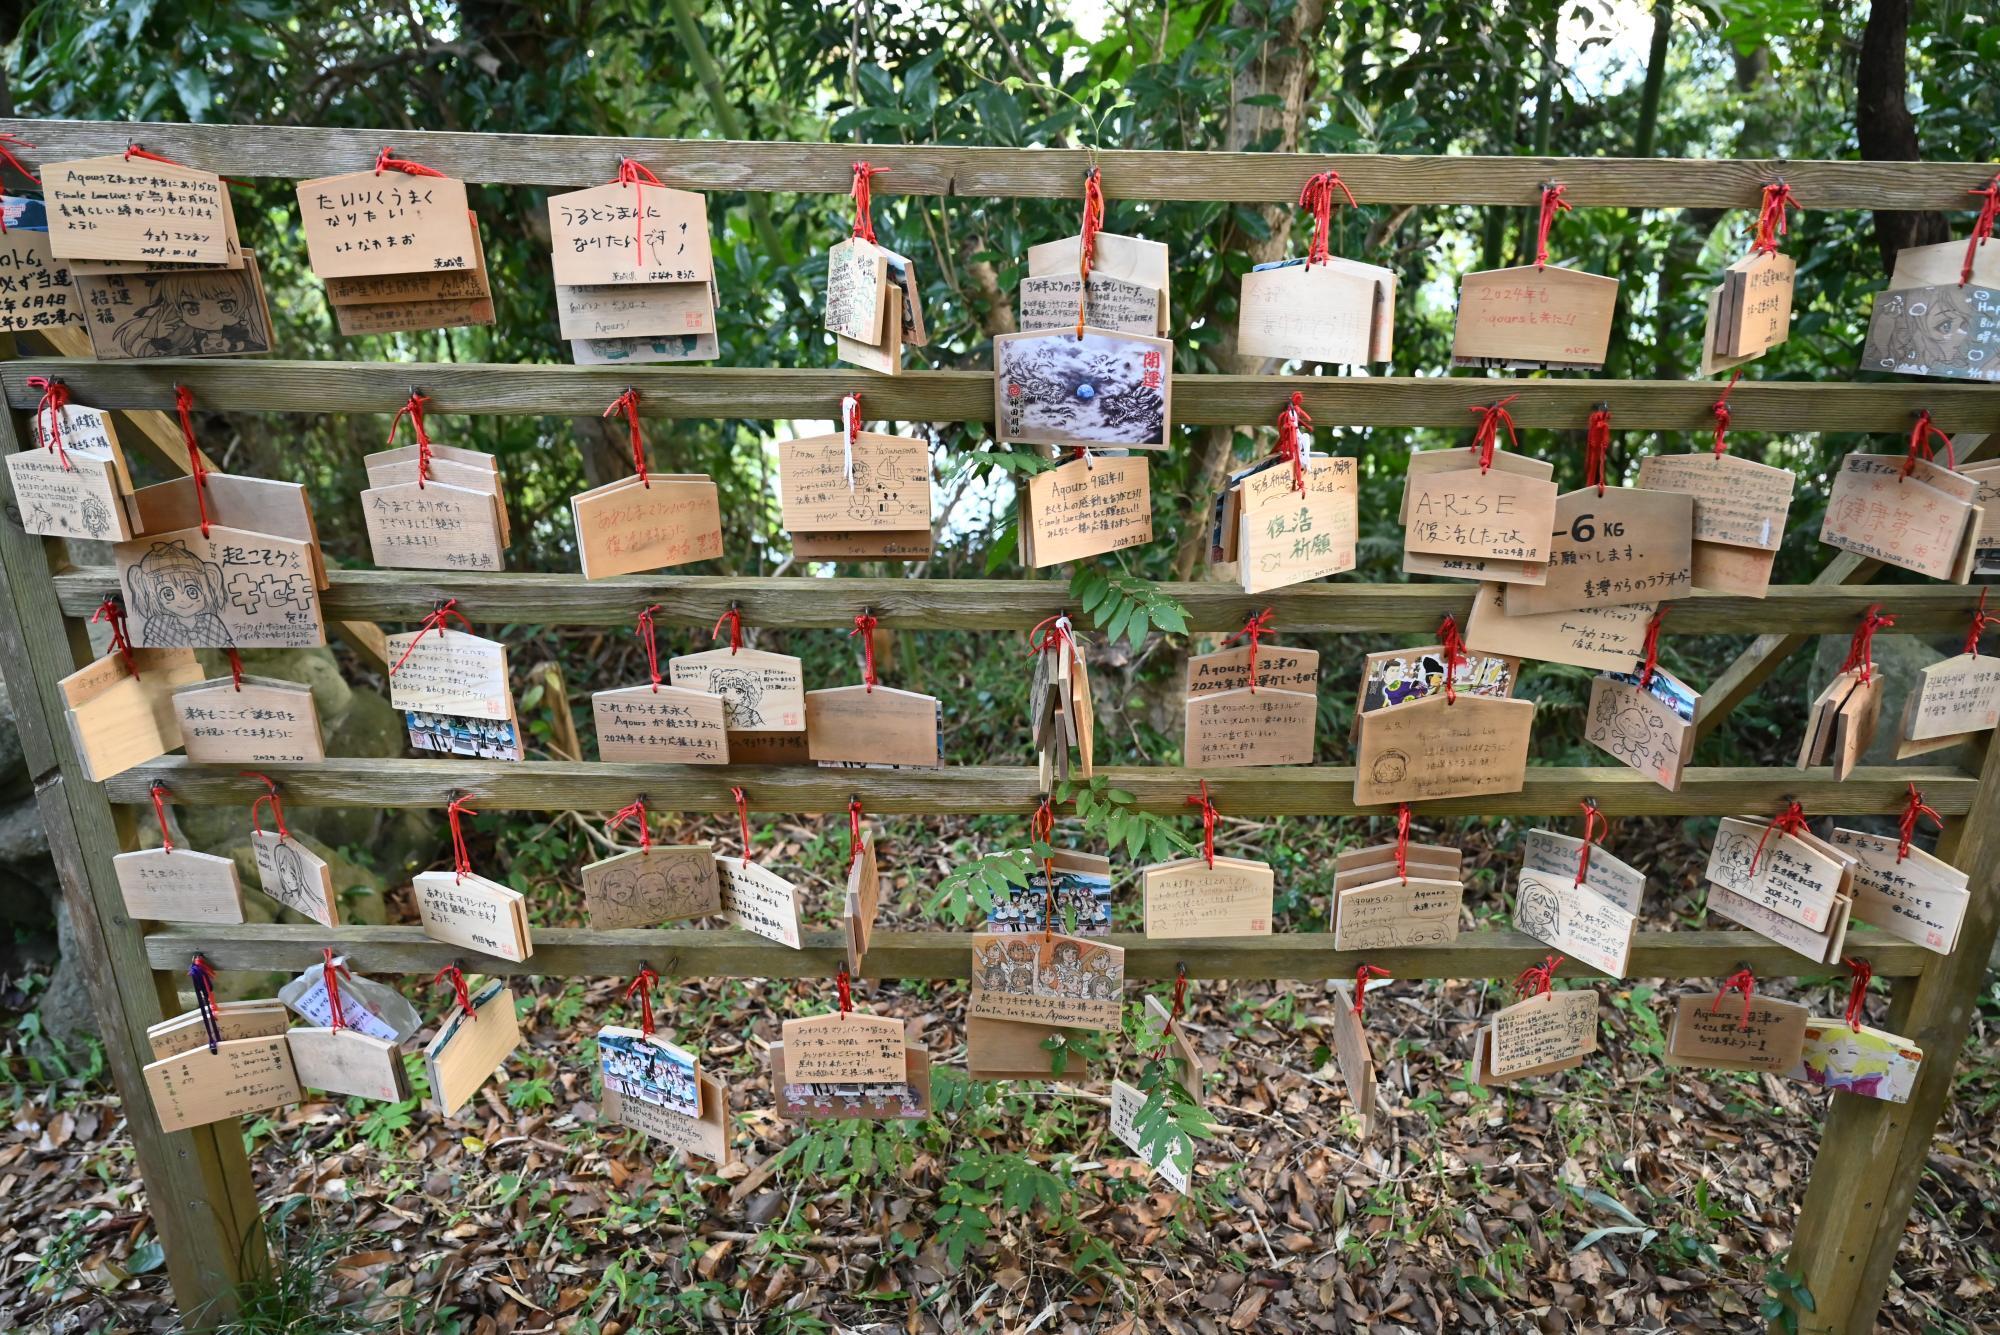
[1620,1196]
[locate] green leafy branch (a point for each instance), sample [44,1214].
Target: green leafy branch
[1118,604]
[1170,1121]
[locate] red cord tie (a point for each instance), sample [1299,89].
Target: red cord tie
[1921,432]
[1741,981]
[235,666]
[1538,980]
[638,177]
[1055,632]
[1086,250]
[1593,820]
[1651,646]
[635,812]
[644,985]
[1258,626]
[1861,649]
[451,973]
[1777,203]
[1042,829]
[1486,436]
[735,620]
[649,637]
[1318,197]
[1982,228]
[628,403]
[1857,992]
[853,831]
[269,797]
[1596,448]
[1208,814]
[7,156]
[413,408]
[202,974]
[1403,815]
[184,408]
[1721,410]
[864,626]
[331,971]
[112,612]
[1361,977]
[1180,998]
[461,857]
[1980,621]
[1453,647]
[387,160]
[864,220]
[160,813]
[1792,820]
[55,404]
[437,621]
[1552,204]
[844,987]
[1294,444]
[1906,829]
[742,820]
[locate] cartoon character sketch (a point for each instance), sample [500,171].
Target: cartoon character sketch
[1539,913]
[96,517]
[991,970]
[1390,767]
[684,885]
[1102,981]
[176,599]
[195,315]
[291,889]
[1932,328]
[742,693]
[1064,977]
[1023,961]
[1627,731]
[1735,855]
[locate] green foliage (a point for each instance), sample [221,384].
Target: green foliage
[1124,605]
[1170,1121]
[299,1293]
[1786,1295]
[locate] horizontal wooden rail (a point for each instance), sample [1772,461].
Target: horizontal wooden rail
[492,600]
[728,953]
[302,152]
[1325,790]
[967,396]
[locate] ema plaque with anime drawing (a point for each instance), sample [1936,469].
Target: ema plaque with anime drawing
[1098,389]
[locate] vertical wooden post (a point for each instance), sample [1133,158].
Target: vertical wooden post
[198,1186]
[1871,1155]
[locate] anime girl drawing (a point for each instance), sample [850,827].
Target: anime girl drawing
[176,599]
[194,314]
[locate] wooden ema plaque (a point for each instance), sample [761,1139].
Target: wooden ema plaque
[660,725]
[1009,1049]
[1952,700]
[1353,1056]
[434,525]
[1047,978]
[257,504]
[1843,721]
[464,909]
[1753,308]
[1051,302]
[862,903]
[599,236]
[1337,311]
[1602,639]
[161,213]
[239,1076]
[262,720]
[1279,667]
[231,588]
[215,312]
[1740,508]
[882,354]
[1861,1061]
[1129,259]
[295,876]
[36,289]
[1245,727]
[872,726]
[1549,1032]
[857,291]
[885,498]
[1435,748]
[908,1096]
[1290,536]
[843,1049]
[1534,318]
[1391,911]
[1794,875]
[758,900]
[348,1063]
[1102,388]
[370,222]
[446,671]
[1552,853]
[1916,897]
[1085,508]
[409,313]
[1650,727]
[78,491]
[1188,899]
[1618,546]
[468,1049]
[663,883]
[1719,1036]
[1496,524]
[634,310]
[703,1137]
[122,715]
[1922,522]
[761,692]
[233,1020]
[179,886]
[1574,919]
[629,526]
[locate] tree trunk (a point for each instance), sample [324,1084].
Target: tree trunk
[1283,68]
[1647,133]
[1884,126]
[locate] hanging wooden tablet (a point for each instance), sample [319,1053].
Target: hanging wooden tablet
[634,310]
[1740,508]
[1574,918]
[857,291]
[1536,316]
[641,1067]
[879,725]
[1646,720]
[1297,520]
[261,1018]
[843,1048]
[471,304]
[1843,721]
[1126,1103]
[1082,895]
[178,885]
[1613,546]
[1383,909]
[348,1063]
[660,883]
[1951,700]
[466,909]
[1395,677]
[1012,1050]
[651,523]
[218,312]
[1908,893]
[1280,666]
[761,692]
[1822,946]
[1921,518]
[909,1096]
[1364,866]
[1110,390]
[757,899]
[73,482]
[884,355]
[661,725]
[366,1006]
[236,1077]
[1553,853]
[1352,1055]
[469,1048]
[415,290]
[1051,301]
[259,504]
[1596,638]
[225,722]
[702,1137]
[36,289]
[860,499]
[1047,978]
[1085,508]
[1769,1038]
[1321,308]
[632,230]
[1856,1059]
[1546,1033]
[1944,329]
[863,900]
[1486,513]
[1250,727]
[295,876]
[1751,311]
[136,206]
[445,671]
[1793,874]
[1189,899]
[389,221]
[1129,259]
[120,707]
[1436,747]
[226,588]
